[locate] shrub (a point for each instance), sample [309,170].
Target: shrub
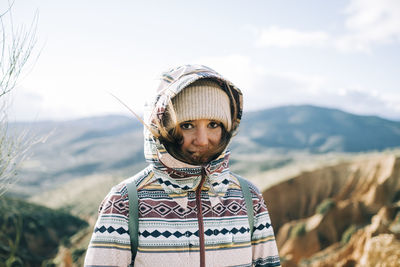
[45,227]
[77,254]
[298,230]
[348,234]
[323,240]
[325,206]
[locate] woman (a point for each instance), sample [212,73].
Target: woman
[187,130]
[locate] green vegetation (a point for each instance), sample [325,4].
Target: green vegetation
[346,236]
[298,230]
[323,240]
[77,254]
[284,259]
[30,234]
[325,206]
[396,197]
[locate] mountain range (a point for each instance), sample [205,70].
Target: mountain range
[114,144]
[319,130]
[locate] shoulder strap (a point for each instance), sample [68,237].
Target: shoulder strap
[244,185]
[133,220]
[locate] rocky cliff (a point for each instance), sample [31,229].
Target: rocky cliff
[343,215]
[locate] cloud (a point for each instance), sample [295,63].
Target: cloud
[280,37]
[370,23]
[361,101]
[263,88]
[276,89]
[235,67]
[367,23]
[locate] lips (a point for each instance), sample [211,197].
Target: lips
[199,152]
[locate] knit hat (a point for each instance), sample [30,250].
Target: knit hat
[203,99]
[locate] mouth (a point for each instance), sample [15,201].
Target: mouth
[197,155]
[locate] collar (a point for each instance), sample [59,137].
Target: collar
[179,179]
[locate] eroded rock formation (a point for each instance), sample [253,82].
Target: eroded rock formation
[343,215]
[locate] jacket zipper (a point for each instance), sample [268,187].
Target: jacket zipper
[200,218]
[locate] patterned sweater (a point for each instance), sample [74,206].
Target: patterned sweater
[169,227]
[188,215]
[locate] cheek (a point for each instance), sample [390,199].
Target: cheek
[215,137]
[185,143]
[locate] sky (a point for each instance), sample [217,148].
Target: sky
[340,54]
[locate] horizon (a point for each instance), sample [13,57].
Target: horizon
[343,54]
[130,115]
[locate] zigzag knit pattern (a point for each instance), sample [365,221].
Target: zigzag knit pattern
[168,232]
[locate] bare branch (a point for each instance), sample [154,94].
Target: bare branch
[16,50]
[17,47]
[10,5]
[14,148]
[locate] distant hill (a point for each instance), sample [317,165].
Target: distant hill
[114,144]
[73,149]
[318,130]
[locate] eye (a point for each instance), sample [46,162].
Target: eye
[214,125]
[186,125]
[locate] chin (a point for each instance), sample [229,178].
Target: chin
[197,160]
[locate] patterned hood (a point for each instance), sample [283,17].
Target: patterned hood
[182,176]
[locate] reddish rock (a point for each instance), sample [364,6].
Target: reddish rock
[358,223]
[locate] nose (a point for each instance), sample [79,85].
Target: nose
[201,136]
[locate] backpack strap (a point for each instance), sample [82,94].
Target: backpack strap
[244,185]
[133,220]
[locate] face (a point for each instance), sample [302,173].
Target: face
[199,138]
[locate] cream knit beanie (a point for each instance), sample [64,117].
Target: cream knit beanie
[203,99]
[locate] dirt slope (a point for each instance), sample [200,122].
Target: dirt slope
[343,215]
